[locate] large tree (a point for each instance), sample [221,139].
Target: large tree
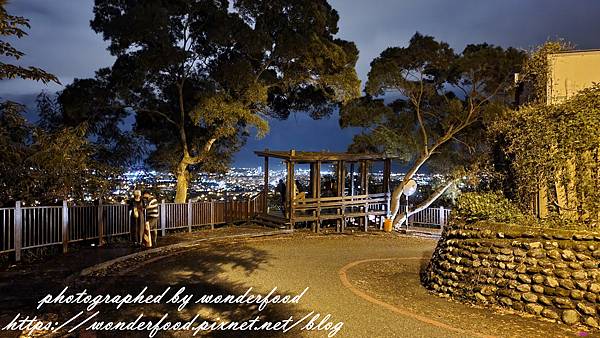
[425,103]
[201,74]
[15,26]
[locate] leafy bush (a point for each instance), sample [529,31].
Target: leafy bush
[493,206]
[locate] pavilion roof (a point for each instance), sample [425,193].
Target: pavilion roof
[313,156]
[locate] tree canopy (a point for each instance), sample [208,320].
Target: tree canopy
[424,102]
[201,75]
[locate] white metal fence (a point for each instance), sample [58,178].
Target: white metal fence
[24,228]
[435,218]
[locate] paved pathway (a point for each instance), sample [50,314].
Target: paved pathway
[368,282]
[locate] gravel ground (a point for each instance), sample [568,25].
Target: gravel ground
[291,263]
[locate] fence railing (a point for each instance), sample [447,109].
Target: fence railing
[24,228]
[435,218]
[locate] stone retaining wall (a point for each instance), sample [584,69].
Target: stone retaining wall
[549,273]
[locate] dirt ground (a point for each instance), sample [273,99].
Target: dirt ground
[367,282]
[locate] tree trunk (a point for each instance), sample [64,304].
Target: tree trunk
[182,182]
[397,193]
[401,218]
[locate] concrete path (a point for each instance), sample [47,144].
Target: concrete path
[367,281]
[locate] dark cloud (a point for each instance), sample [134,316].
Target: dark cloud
[61,42]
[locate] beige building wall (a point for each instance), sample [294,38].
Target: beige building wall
[570,72]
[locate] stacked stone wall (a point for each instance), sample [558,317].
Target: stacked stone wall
[549,273]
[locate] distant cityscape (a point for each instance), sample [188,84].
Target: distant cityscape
[237,183]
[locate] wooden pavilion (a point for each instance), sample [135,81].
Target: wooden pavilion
[347,201]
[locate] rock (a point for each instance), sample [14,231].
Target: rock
[548,272]
[547,313]
[488,290]
[532,245]
[577,294]
[545,300]
[579,275]
[524,279]
[538,279]
[582,257]
[575,265]
[590,264]
[568,255]
[560,265]
[588,310]
[595,288]
[518,306]
[504,258]
[521,268]
[590,297]
[524,287]
[580,237]
[510,275]
[519,252]
[596,254]
[537,288]
[580,247]
[480,297]
[570,317]
[515,296]
[554,254]
[563,303]
[561,236]
[535,309]
[567,284]
[592,322]
[582,285]
[530,261]
[551,282]
[562,273]
[549,291]
[537,253]
[506,301]
[563,292]
[545,264]
[530,297]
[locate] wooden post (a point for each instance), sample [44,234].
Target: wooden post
[212,215]
[341,184]
[290,190]
[266,187]
[352,179]
[65,226]
[387,172]
[189,215]
[100,223]
[18,230]
[163,218]
[318,195]
[365,188]
[248,209]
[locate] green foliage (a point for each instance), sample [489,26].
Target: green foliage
[442,101]
[14,26]
[492,206]
[536,70]
[202,75]
[42,165]
[557,146]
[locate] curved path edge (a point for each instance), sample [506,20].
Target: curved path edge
[188,244]
[394,308]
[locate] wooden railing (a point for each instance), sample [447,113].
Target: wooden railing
[24,228]
[340,208]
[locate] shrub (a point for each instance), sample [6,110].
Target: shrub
[493,206]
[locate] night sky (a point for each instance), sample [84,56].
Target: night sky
[62,43]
